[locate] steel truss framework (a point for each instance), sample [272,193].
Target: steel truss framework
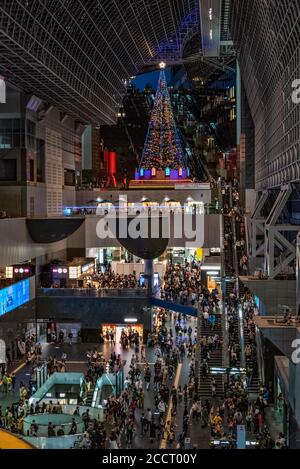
[268,235]
[77,54]
[257,227]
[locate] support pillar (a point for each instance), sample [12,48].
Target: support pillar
[148,274]
[257,227]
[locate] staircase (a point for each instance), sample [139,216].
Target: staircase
[255,382]
[89,398]
[216,360]
[254,385]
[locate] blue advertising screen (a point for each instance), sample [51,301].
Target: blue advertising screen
[13,296]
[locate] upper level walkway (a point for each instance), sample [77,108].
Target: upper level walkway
[133,293]
[93,292]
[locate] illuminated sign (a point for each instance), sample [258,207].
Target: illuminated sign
[74,272]
[9,272]
[87,267]
[210,267]
[14,296]
[167,171]
[57,271]
[20,270]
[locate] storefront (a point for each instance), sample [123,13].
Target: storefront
[211,274]
[104,207]
[181,255]
[213,280]
[59,276]
[68,274]
[194,207]
[37,329]
[59,332]
[51,331]
[19,272]
[80,271]
[105,256]
[172,206]
[112,332]
[138,268]
[66,329]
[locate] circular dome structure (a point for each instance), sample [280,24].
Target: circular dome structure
[151,243]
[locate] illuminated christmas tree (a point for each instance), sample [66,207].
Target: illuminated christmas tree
[162,147]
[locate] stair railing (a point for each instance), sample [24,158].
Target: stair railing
[260,357]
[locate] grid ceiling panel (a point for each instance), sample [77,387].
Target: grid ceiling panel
[87,48]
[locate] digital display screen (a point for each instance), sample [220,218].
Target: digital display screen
[142,280]
[14,296]
[155,279]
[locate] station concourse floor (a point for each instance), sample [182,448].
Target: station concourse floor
[76,362]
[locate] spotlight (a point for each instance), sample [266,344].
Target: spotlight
[162,65]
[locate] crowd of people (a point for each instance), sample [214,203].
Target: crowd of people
[127,415]
[153,406]
[110,279]
[7,381]
[182,283]
[150,408]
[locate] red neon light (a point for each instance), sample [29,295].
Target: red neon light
[112,163]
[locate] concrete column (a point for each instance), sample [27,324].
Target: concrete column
[148,275]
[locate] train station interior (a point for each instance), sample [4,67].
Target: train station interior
[150,224]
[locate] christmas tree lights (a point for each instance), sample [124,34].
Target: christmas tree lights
[162,147]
